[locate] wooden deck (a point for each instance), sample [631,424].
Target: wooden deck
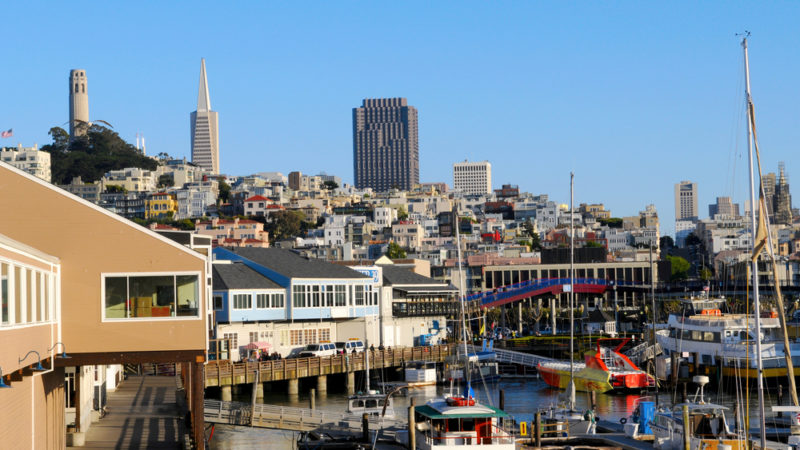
[142,413]
[225,373]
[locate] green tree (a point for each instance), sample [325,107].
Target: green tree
[92,155]
[285,224]
[330,185]
[114,188]
[401,213]
[666,242]
[680,268]
[593,244]
[394,251]
[611,222]
[224,190]
[166,180]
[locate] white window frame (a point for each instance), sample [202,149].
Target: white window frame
[200,296]
[248,295]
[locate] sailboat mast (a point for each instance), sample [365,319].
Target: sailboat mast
[571,291]
[461,290]
[754,261]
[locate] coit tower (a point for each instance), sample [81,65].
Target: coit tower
[78,103]
[204,128]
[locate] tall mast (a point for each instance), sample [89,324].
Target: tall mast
[754,260]
[571,292]
[366,353]
[461,290]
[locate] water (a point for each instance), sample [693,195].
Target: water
[523,396]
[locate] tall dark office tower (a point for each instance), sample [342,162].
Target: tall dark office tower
[385,144]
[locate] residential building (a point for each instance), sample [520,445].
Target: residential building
[236,232]
[257,206]
[205,128]
[472,177]
[160,205]
[29,159]
[385,144]
[131,179]
[86,191]
[122,289]
[78,103]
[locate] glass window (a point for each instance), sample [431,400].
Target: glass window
[329,296]
[4,291]
[341,296]
[262,301]
[151,296]
[30,295]
[217,302]
[277,300]
[299,296]
[315,295]
[359,295]
[242,301]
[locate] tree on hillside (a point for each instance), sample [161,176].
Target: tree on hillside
[284,224]
[92,155]
[330,185]
[224,190]
[394,251]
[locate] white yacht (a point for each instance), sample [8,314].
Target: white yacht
[704,335]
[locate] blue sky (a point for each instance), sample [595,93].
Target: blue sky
[631,96]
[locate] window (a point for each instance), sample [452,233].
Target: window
[341,296]
[299,296]
[315,296]
[324,334]
[284,340]
[296,337]
[151,296]
[253,336]
[69,387]
[262,301]
[4,291]
[310,336]
[242,301]
[329,296]
[234,339]
[276,300]
[218,302]
[359,295]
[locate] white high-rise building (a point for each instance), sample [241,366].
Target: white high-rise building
[205,128]
[472,177]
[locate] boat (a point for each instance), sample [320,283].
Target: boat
[710,336]
[708,425]
[371,401]
[459,420]
[420,373]
[483,367]
[604,370]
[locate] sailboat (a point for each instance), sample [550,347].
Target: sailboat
[604,370]
[670,429]
[371,401]
[459,419]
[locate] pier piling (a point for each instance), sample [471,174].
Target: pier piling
[502,400]
[322,384]
[537,429]
[351,383]
[311,399]
[226,393]
[412,438]
[365,427]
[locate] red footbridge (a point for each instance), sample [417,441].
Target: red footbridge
[543,286]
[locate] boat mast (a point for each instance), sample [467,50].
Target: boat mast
[754,260]
[571,292]
[366,354]
[461,290]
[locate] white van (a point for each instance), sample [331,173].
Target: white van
[349,345]
[321,349]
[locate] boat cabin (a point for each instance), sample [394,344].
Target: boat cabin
[441,424]
[372,404]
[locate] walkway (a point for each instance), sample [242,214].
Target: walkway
[141,413]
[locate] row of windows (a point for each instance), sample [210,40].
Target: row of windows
[498,278]
[315,296]
[263,301]
[305,337]
[27,295]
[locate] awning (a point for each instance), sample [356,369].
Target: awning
[263,346]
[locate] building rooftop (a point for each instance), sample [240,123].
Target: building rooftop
[238,276]
[293,265]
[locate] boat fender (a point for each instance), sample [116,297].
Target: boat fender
[623,420]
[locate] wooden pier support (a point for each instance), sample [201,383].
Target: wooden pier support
[412,426]
[351,383]
[226,393]
[322,384]
[365,427]
[311,399]
[294,387]
[537,429]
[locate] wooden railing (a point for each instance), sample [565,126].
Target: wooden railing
[222,373]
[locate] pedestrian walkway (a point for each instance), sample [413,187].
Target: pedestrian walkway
[141,413]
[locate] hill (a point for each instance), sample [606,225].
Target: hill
[92,155]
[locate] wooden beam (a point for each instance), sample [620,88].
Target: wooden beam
[198,392]
[169,356]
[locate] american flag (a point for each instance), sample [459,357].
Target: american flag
[7,134]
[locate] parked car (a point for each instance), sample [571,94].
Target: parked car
[321,349]
[349,345]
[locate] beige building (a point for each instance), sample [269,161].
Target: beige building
[472,177]
[29,159]
[109,291]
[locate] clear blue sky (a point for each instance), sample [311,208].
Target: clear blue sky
[631,96]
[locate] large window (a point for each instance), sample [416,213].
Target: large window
[4,291]
[146,296]
[359,295]
[242,301]
[276,300]
[299,296]
[262,301]
[341,295]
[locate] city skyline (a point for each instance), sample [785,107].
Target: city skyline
[632,98]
